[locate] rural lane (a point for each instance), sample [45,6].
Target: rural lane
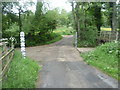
[62,67]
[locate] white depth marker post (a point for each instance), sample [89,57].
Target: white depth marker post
[76,39]
[117,36]
[22,40]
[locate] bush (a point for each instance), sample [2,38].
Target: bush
[64,30]
[42,39]
[12,31]
[88,37]
[104,57]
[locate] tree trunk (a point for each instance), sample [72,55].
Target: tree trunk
[112,6]
[20,23]
[78,18]
[73,15]
[98,17]
[85,20]
[114,17]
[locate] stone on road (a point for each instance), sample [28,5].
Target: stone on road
[62,67]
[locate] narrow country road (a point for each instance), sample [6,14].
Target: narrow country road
[62,67]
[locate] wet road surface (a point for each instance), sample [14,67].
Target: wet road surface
[62,67]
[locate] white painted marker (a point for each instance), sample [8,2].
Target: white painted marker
[22,40]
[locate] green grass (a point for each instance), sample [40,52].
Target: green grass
[105,58]
[64,30]
[23,73]
[59,37]
[54,37]
[86,43]
[105,29]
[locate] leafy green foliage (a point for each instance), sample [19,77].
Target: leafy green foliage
[64,30]
[12,31]
[38,27]
[88,37]
[63,18]
[43,39]
[23,73]
[27,21]
[88,23]
[7,23]
[43,22]
[104,57]
[97,15]
[57,37]
[92,15]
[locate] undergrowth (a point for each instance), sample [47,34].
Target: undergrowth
[23,73]
[104,57]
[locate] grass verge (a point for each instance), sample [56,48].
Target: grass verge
[105,29]
[57,38]
[23,73]
[54,37]
[64,30]
[105,58]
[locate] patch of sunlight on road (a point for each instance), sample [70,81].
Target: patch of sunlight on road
[67,35]
[61,59]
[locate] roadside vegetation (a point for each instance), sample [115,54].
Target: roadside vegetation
[64,30]
[88,38]
[23,73]
[46,25]
[40,27]
[106,29]
[50,38]
[91,18]
[105,58]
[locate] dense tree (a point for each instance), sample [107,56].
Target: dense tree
[87,19]
[0,20]
[97,15]
[91,16]
[44,22]
[118,16]
[112,15]
[8,17]
[11,13]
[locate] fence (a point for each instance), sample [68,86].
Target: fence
[108,36]
[6,54]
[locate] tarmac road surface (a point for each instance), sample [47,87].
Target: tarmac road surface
[62,67]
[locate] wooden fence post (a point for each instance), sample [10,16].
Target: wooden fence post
[6,58]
